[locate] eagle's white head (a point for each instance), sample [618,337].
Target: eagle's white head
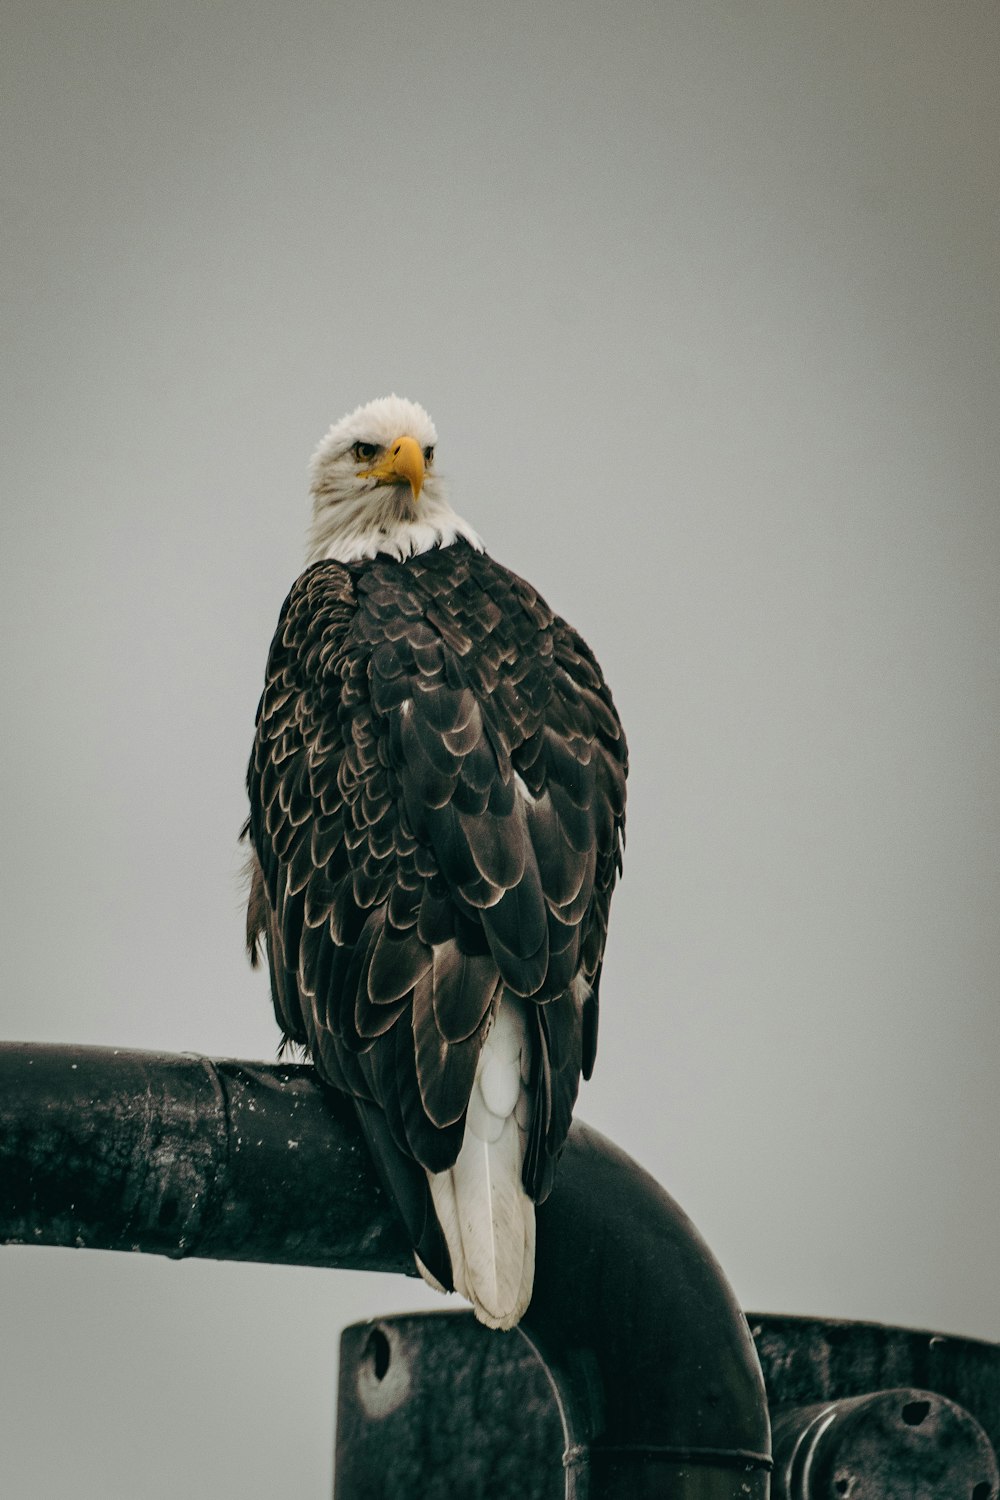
[376,489]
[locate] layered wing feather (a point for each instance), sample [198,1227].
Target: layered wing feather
[437,793]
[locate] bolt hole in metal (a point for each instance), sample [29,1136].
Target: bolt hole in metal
[378,1353]
[983,1491]
[842,1486]
[914,1412]
[384,1374]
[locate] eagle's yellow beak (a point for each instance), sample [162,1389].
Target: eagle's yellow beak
[403,460]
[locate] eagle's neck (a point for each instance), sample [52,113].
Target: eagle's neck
[357,527]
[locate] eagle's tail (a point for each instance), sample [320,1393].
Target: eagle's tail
[487,1217]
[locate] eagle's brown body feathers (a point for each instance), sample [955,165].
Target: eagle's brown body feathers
[437,793]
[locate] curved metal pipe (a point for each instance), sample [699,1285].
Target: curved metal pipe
[180,1156]
[625,1286]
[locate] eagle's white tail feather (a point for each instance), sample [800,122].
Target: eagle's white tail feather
[487,1218]
[528,1271]
[446,1208]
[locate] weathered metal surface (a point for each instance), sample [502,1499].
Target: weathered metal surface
[811,1360]
[438,1406]
[473,1414]
[107,1149]
[889,1445]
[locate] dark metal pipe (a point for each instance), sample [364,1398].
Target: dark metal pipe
[652,1360]
[626,1286]
[105,1149]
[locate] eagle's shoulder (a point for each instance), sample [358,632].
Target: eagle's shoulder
[324,594]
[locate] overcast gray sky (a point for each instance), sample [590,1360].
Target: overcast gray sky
[704,300]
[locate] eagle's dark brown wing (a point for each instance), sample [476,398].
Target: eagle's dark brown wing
[437,794]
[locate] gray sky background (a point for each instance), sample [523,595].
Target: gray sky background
[704,300]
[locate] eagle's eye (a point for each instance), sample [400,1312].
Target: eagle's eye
[429,455]
[364,451]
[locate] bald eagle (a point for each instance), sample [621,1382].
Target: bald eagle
[437,798]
